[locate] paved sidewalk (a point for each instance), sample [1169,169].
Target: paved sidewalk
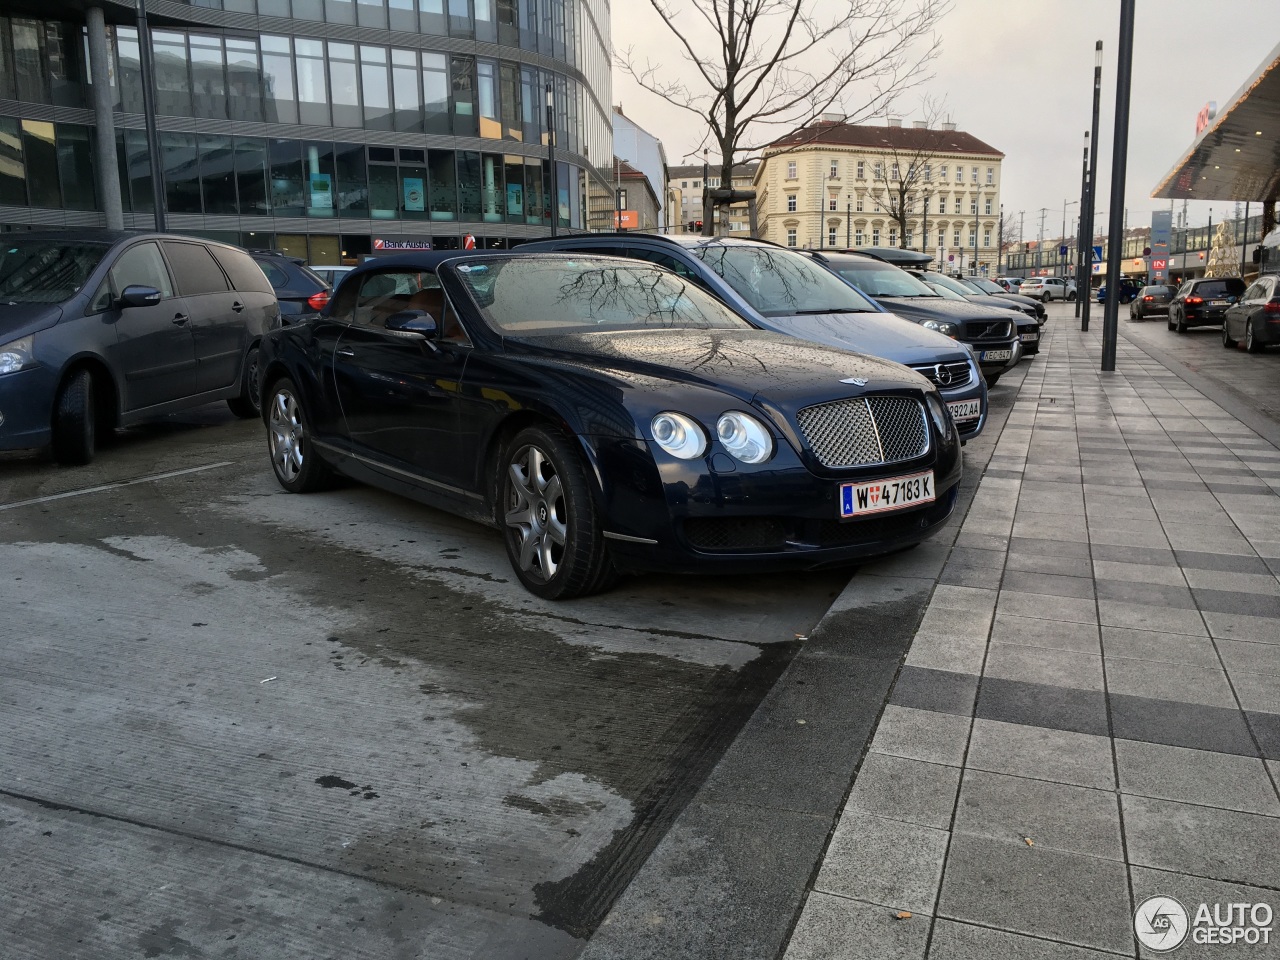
[1089,713]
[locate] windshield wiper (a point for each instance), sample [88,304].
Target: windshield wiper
[808,313]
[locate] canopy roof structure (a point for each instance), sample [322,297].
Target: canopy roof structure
[1237,156]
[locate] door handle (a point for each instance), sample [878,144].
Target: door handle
[180,319]
[344,352]
[237,306]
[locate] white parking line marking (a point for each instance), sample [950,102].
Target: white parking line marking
[114,485]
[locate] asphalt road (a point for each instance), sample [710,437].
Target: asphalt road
[240,723]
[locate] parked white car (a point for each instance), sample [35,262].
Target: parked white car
[1048,288]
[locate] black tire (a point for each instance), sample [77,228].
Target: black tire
[553,535]
[1044,297]
[248,406]
[1226,337]
[1181,325]
[1250,341]
[1070,297]
[74,420]
[294,461]
[993,378]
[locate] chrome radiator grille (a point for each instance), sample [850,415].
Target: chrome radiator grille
[865,431]
[953,374]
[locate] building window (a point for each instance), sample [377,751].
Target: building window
[942,239]
[858,237]
[942,204]
[986,238]
[791,236]
[956,239]
[875,236]
[879,170]
[991,175]
[896,174]
[909,238]
[791,203]
[697,184]
[973,205]
[928,173]
[959,173]
[893,236]
[988,207]
[831,236]
[973,174]
[684,184]
[831,202]
[858,205]
[942,173]
[862,170]
[835,169]
[791,172]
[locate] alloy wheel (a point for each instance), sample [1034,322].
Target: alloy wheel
[286,435]
[537,516]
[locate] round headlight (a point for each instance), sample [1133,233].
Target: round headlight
[941,415]
[744,437]
[679,435]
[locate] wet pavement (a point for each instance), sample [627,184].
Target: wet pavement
[236,722]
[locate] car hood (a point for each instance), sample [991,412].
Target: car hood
[996,303]
[748,364]
[19,319]
[879,334]
[940,308]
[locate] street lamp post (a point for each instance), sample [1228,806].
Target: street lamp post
[1119,165]
[147,72]
[1084,254]
[1092,192]
[924,229]
[848,223]
[551,159]
[617,193]
[1062,256]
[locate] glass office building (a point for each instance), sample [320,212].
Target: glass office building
[316,127]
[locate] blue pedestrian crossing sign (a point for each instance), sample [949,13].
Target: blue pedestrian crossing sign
[1062,250]
[1097,254]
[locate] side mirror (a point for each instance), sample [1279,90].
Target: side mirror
[139,295]
[412,324]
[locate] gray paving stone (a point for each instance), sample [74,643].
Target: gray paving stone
[1239,626]
[1059,668]
[942,690]
[1073,609]
[1025,751]
[1057,816]
[1032,890]
[963,941]
[1262,584]
[1124,553]
[1057,634]
[1104,570]
[1191,892]
[1041,547]
[1258,692]
[1178,724]
[1204,841]
[895,865]
[1048,584]
[1052,527]
[1059,566]
[1151,645]
[944,652]
[1235,602]
[913,791]
[1156,594]
[1044,705]
[922,735]
[1250,657]
[1196,776]
[1146,616]
[1183,682]
[836,928]
[967,576]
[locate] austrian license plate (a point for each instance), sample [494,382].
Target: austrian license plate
[996,355]
[881,496]
[963,410]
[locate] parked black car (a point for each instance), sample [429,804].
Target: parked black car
[1150,301]
[1028,326]
[992,333]
[606,416]
[990,288]
[1255,318]
[302,292]
[1203,302]
[784,291]
[99,330]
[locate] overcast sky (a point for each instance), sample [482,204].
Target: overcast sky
[1018,74]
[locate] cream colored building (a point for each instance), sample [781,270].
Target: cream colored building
[684,192]
[834,184]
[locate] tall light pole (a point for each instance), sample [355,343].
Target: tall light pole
[1119,165]
[551,159]
[848,224]
[924,229]
[1093,180]
[1063,254]
[1084,251]
[147,71]
[617,193]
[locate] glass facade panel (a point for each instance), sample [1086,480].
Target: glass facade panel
[485,20]
[487,99]
[460,24]
[208,77]
[138,170]
[469,185]
[514,189]
[313,92]
[384,192]
[431,17]
[463,83]
[375,88]
[287,199]
[444,187]
[406,92]
[509,97]
[75,166]
[279,100]
[28,66]
[244,80]
[41,156]
[534,200]
[181,172]
[353,186]
[343,93]
[251,176]
[13,178]
[217,174]
[403,16]
[372,13]
[320,189]
[63,51]
[435,90]
[491,188]
[340,11]
[8,88]
[413,190]
[173,88]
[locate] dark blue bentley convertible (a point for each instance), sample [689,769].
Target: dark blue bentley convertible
[607,416]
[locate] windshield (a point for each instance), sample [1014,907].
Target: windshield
[986,286]
[536,296]
[948,283]
[945,292]
[1229,287]
[878,279]
[779,283]
[46,271]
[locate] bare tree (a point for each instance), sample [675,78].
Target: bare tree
[763,68]
[903,172]
[1010,232]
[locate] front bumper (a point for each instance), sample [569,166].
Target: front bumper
[26,408]
[714,515]
[983,350]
